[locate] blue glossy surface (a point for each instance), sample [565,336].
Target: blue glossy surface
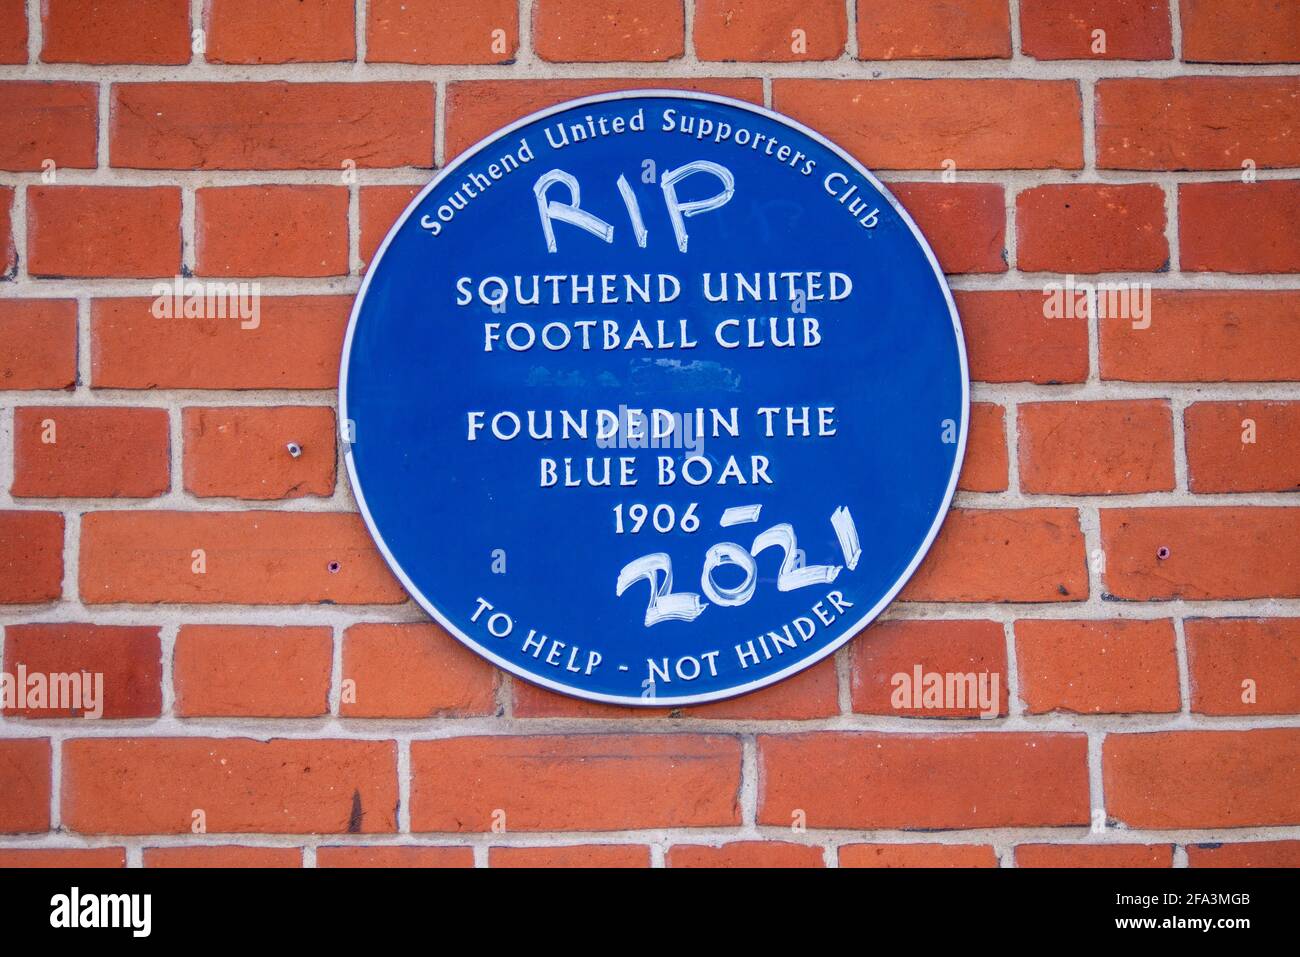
[889,362]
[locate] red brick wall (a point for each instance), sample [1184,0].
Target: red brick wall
[1119,553]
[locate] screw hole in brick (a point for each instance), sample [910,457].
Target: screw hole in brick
[1162,552]
[333,567]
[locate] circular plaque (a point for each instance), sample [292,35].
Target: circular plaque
[654,398]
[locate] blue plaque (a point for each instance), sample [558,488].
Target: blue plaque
[654,398]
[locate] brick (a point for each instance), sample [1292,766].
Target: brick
[609,31]
[1197,122]
[1030,555]
[1203,779]
[8,254]
[1252,854]
[380,207]
[62,857]
[573,855]
[90,452]
[1213,553]
[243,451]
[271,125]
[811,693]
[1240,227]
[1097,667]
[906,781]
[124,31]
[280,31]
[96,231]
[765,30]
[1243,446]
[933,30]
[273,558]
[414,671]
[271,231]
[746,854]
[435,31]
[294,342]
[1089,228]
[31,557]
[965,223]
[888,649]
[1225,653]
[586,782]
[985,467]
[917,855]
[1096,448]
[128,658]
[25,798]
[1207,336]
[1240,31]
[223,855]
[1095,855]
[47,121]
[13,31]
[38,344]
[477,108]
[1010,339]
[918,124]
[252,671]
[1064,29]
[153,785]
[394,856]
